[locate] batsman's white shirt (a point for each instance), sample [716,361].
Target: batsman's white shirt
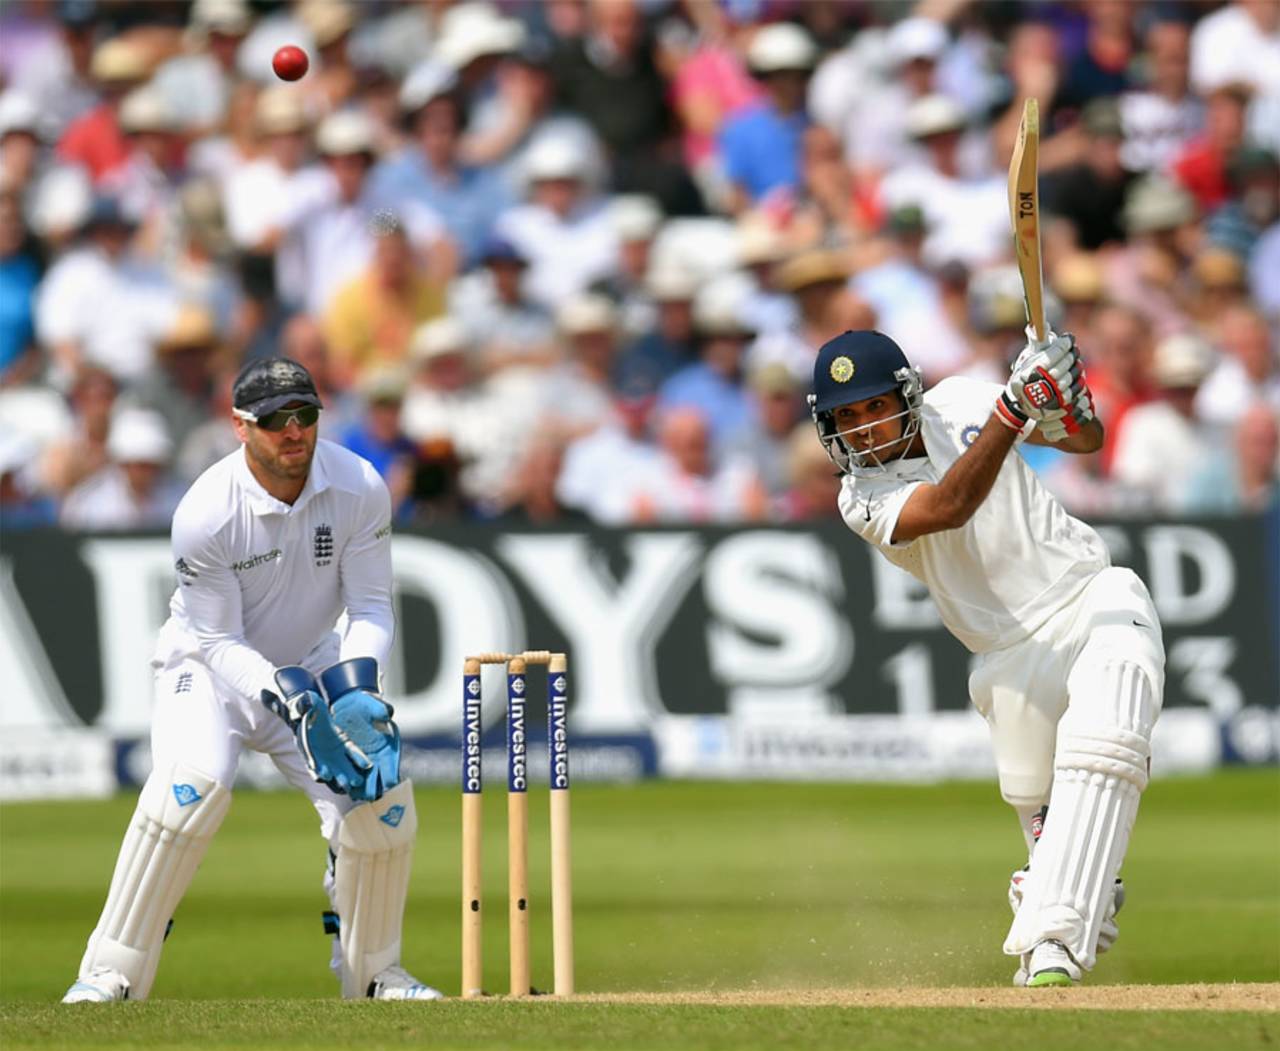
[1016,562]
[262,584]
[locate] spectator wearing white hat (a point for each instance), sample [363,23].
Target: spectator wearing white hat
[196,85]
[637,221]
[1164,444]
[577,395]
[863,92]
[760,146]
[670,343]
[257,192]
[714,383]
[452,417]
[442,401]
[967,218]
[760,248]
[135,490]
[430,169]
[20,141]
[564,228]
[335,233]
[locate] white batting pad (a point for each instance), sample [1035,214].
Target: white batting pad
[375,850]
[1100,771]
[178,812]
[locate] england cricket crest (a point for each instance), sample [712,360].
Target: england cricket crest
[323,545]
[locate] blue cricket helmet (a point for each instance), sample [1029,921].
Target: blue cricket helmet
[852,367]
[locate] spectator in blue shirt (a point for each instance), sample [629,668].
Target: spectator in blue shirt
[19,274]
[760,147]
[714,386]
[430,170]
[378,438]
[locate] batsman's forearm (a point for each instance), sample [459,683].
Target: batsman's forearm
[967,483]
[1088,439]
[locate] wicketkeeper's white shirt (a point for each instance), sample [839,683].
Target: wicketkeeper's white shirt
[262,584]
[1018,560]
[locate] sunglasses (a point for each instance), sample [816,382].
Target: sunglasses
[305,417]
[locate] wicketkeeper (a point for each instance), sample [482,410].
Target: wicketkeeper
[1070,665]
[279,624]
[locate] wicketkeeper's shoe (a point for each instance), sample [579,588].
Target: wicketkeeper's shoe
[100,986]
[1051,964]
[395,983]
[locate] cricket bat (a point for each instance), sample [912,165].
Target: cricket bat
[1024,215]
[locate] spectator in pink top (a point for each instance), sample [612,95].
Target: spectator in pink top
[710,84]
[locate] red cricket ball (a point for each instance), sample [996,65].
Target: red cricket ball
[290,63]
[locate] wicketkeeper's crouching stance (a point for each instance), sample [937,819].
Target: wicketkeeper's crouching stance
[1069,669]
[280,620]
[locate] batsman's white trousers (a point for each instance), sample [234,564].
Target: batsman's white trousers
[201,723]
[1022,690]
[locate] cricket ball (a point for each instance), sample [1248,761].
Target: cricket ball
[290,63]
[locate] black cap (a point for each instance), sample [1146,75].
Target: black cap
[272,383]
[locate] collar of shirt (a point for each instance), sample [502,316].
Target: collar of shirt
[262,502]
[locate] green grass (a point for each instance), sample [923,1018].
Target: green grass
[201,1025]
[678,887]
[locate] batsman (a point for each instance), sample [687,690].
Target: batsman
[279,623]
[1069,665]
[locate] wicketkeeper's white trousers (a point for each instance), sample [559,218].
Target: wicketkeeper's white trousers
[200,723]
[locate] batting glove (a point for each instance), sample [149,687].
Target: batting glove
[1043,384]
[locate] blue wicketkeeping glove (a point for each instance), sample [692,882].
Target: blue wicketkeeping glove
[364,720]
[326,754]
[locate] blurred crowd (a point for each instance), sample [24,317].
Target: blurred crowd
[572,259]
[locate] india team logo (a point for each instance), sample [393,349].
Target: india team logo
[842,369]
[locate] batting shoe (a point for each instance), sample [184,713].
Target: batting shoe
[102,985]
[395,983]
[1107,933]
[1051,964]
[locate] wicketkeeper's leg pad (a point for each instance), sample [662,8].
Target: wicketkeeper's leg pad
[1101,768]
[371,882]
[179,810]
